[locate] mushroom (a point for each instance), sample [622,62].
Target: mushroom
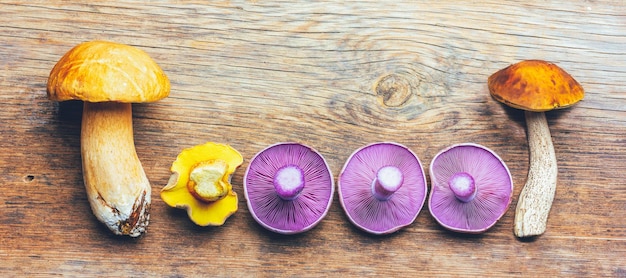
[108,77]
[471,188]
[536,86]
[200,183]
[288,187]
[382,187]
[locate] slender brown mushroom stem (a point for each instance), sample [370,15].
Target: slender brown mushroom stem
[116,184]
[535,200]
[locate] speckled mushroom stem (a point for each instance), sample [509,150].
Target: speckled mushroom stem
[535,200]
[116,185]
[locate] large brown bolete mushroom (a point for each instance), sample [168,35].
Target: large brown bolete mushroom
[536,86]
[108,77]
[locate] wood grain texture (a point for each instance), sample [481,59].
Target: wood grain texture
[334,76]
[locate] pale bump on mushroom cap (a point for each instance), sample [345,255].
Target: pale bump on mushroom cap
[535,85]
[99,71]
[494,188]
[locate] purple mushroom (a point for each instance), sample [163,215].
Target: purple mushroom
[382,187]
[471,188]
[288,188]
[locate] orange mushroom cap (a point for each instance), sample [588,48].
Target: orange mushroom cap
[535,85]
[98,71]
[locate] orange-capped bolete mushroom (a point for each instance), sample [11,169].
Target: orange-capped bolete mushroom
[108,77]
[536,86]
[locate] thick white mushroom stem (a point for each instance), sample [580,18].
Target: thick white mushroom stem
[116,184]
[388,180]
[535,200]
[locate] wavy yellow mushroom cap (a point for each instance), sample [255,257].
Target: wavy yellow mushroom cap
[535,85]
[176,193]
[99,71]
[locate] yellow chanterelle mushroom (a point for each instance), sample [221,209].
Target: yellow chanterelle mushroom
[200,183]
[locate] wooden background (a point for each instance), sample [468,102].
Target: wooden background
[332,75]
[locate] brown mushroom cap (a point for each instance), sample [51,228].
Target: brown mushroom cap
[98,71]
[535,85]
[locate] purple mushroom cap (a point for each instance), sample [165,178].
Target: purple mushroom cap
[288,188]
[382,187]
[471,188]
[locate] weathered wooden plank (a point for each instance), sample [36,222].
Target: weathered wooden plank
[335,76]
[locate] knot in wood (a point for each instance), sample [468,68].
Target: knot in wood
[393,90]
